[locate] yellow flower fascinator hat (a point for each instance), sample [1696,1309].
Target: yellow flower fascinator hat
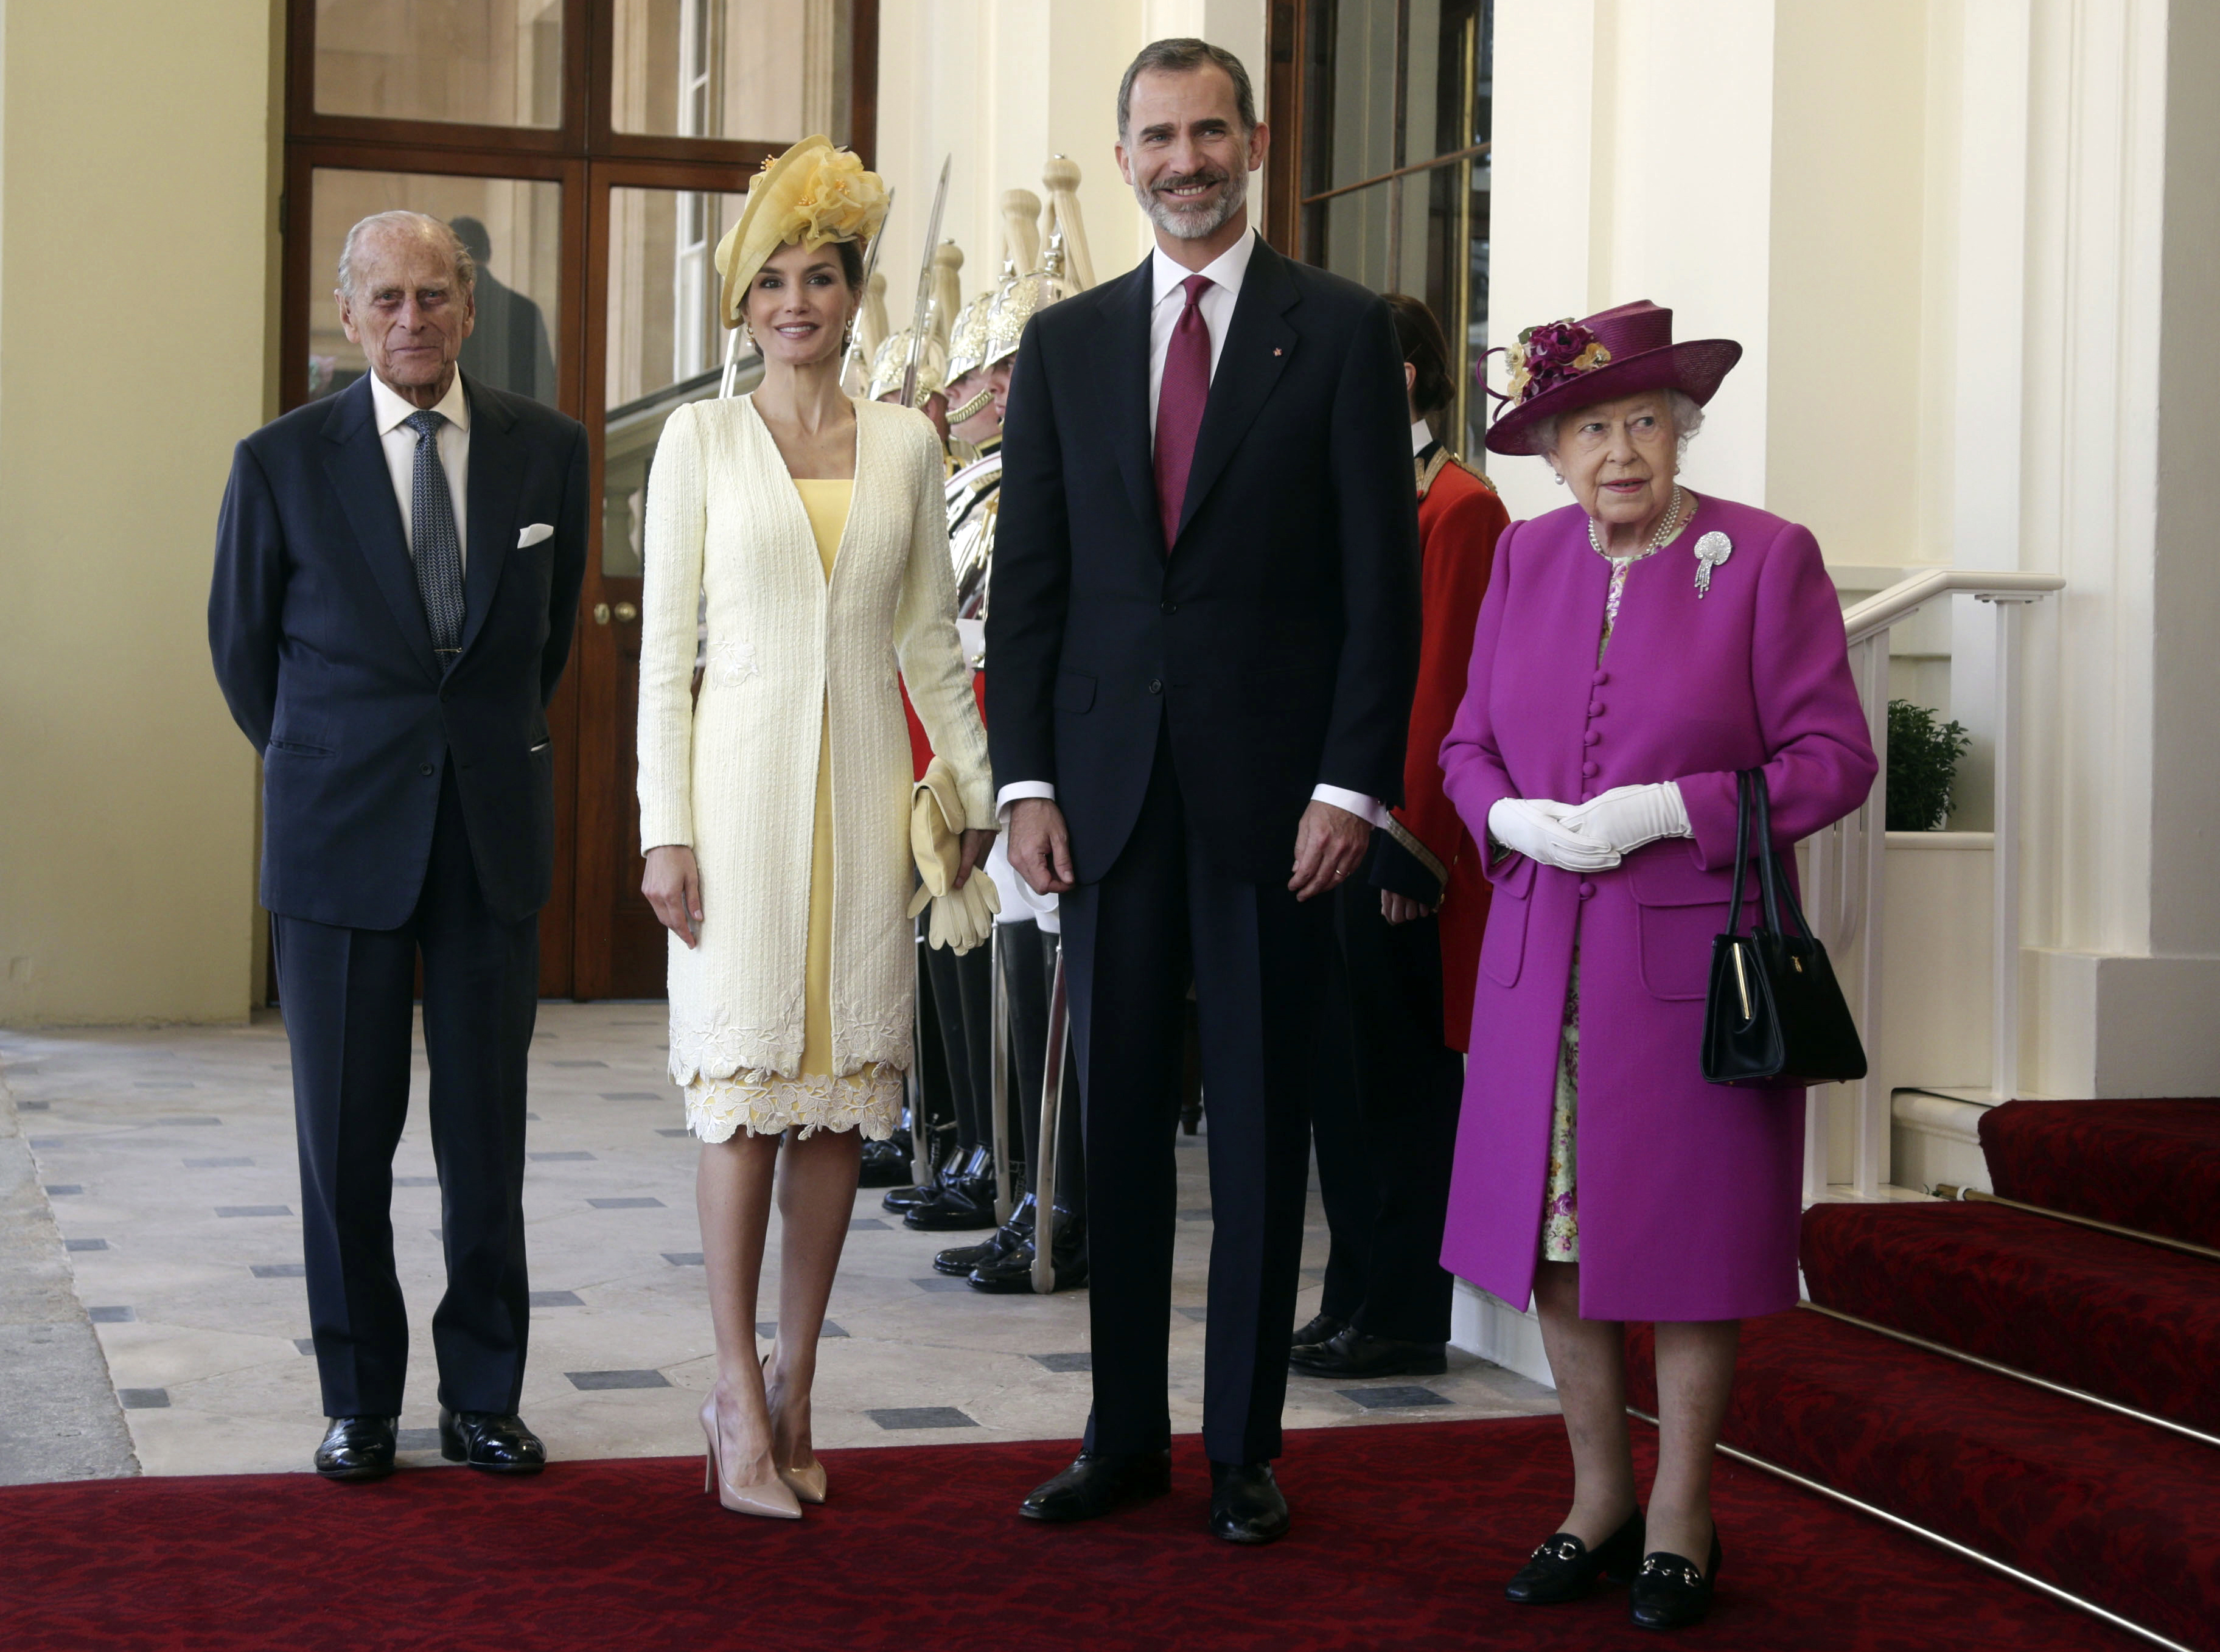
[814,194]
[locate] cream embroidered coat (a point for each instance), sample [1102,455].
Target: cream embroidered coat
[735,775]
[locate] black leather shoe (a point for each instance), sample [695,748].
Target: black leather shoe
[358,1447]
[1565,1569]
[489,1440]
[963,1206]
[1098,1482]
[1013,1273]
[1245,1503]
[1350,1353]
[1669,1592]
[886,1165]
[958,1260]
[1323,1328]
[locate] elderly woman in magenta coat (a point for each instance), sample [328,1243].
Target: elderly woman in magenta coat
[1634,649]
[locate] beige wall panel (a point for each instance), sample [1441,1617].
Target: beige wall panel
[134,308]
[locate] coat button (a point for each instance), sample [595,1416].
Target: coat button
[1590,769]
[1171,608]
[1587,891]
[1596,708]
[1594,736]
[1156,685]
[1601,678]
[424,768]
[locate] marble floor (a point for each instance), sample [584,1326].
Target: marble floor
[166,1159]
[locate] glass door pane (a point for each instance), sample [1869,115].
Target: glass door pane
[483,62]
[767,71]
[514,228]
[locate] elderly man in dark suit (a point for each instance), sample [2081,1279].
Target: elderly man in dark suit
[1204,631]
[397,576]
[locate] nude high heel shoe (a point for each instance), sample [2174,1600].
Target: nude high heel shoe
[771,1498]
[806,1483]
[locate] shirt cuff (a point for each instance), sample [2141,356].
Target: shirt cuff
[1367,809]
[1017,791]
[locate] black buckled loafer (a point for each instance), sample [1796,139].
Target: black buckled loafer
[1246,1504]
[1564,1569]
[496,1442]
[359,1448]
[1350,1353]
[1098,1482]
[1669,1592]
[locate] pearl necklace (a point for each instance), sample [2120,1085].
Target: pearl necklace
[1664,531]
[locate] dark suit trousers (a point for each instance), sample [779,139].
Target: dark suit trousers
[1386,1138]
[346,996]
[1162,915]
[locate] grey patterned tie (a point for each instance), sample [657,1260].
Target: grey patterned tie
[435,543]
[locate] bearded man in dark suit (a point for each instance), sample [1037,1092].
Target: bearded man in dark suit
[1204,628]
[397,576]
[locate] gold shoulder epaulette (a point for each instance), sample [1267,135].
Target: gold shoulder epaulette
[1442,460]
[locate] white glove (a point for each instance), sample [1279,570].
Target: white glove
[961,919]
[1534,826]
[1627,817]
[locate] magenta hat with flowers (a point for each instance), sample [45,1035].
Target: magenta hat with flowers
[1560,366]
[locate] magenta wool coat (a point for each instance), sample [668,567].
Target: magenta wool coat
[1689,1192]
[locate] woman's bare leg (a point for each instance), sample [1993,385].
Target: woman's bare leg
[816,1201]
[1695,1379]
[732,1191]
[1587,1357]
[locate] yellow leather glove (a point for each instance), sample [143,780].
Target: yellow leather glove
[961,919]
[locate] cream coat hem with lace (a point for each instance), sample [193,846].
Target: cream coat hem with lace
[717,1109]
[795,660]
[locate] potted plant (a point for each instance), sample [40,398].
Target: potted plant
[1923,767]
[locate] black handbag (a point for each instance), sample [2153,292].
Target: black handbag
[1774,1016]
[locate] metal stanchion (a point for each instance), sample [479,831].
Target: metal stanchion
[998,1022]
[923,1145]
[1059,1029]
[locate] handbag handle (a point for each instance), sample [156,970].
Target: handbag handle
[1773,877]
[1741,848]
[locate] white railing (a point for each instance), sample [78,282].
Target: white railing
[1846,864]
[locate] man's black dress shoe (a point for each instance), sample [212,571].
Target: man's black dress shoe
[1245,1503]
[358,1447]
[960,1259]
[1323,1328]
[1565,1569]
[1013,1272]
[902,1201]
[486,1439]
[965,1205]
[1098,1482]
[1350,1353]
[1669,1592]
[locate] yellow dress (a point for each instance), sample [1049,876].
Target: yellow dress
[869,1100]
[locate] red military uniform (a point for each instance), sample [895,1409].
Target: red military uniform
[1459,519]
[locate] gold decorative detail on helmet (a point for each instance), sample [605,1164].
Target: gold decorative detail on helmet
[967,350]
[893,360]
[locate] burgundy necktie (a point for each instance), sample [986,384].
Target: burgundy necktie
[1179,401]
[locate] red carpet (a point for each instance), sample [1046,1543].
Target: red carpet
[2153,1166]
[1404,1534]
[2131,1322]
[2108,1508]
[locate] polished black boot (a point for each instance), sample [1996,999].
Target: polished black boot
[358,1447]
[1350,1353]
[1564,1569]
[888,1163]
[902,1201]
[496,1442]
[1098,1482]
[1669,1592]
[963,1206]
[1014,1271]
[1018,1232]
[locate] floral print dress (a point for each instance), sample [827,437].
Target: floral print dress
[1561,1203]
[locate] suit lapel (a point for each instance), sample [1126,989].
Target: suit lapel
[1259,345]
[356,465]
[1122,359]
[496,476]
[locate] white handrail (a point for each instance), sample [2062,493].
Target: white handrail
[1848,862]
[1900,600]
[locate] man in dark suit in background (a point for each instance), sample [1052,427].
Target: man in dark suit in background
[507,345]
[397,576]
[1204,630]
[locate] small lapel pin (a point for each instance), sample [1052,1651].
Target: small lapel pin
[1275,349]
[1711,550]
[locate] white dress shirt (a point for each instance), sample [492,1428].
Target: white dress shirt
[1422,437]
[400,443]
[1226,273]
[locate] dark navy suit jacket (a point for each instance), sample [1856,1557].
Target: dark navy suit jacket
[322,652]
[1279,641]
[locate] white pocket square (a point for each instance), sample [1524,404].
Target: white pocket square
[534,534]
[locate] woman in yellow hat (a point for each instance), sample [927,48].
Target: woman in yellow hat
[799,536]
